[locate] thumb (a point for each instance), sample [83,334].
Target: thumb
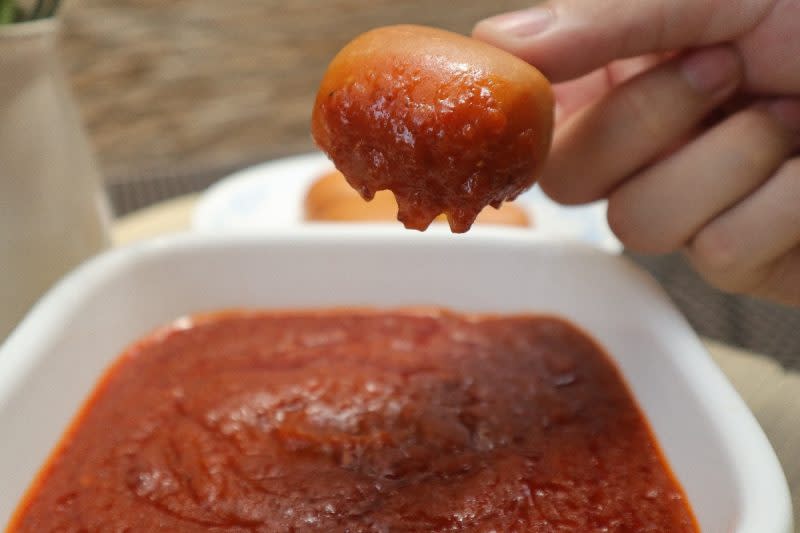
[569,38]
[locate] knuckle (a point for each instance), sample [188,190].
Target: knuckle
[760,134]
[714,253]
[792,168]
[786,207]
[753,120]
[620,223]
[617,217]
[563,191]
[636,233]
[778,281]
[638,104]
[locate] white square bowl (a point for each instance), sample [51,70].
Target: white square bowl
[54,358]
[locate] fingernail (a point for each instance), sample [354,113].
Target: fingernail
[523,23]
[711,70]
[787,111]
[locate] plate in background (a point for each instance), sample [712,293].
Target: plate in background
[270,196]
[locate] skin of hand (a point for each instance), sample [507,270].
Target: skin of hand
[685,115]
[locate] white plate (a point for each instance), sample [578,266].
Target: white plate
[716,448]
[270,196]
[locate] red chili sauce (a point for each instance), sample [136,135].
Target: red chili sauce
[447,123]
[478,137]
[364,422]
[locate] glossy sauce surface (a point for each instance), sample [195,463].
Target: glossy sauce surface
[360,421]
[448,124]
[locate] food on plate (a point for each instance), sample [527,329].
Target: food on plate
[449,124]
[331,199]
[412,420]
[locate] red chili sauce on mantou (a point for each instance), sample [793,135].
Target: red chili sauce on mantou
[449,124]
[360,421]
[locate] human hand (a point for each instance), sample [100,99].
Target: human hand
[685,114]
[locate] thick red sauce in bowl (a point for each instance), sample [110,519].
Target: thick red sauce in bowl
[359,421]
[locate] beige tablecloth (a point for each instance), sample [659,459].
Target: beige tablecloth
[772,393]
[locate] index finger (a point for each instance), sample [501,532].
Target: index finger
[566,39]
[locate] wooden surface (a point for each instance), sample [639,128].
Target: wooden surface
[182,86]
[772,393]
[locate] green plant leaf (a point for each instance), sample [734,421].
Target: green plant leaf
[8,11]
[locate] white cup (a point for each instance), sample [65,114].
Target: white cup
[53,212]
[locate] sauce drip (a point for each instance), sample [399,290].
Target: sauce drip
[445,152]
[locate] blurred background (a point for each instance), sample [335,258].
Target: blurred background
[195,88]
[178,93]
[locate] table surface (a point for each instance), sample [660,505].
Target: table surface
[772,393]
